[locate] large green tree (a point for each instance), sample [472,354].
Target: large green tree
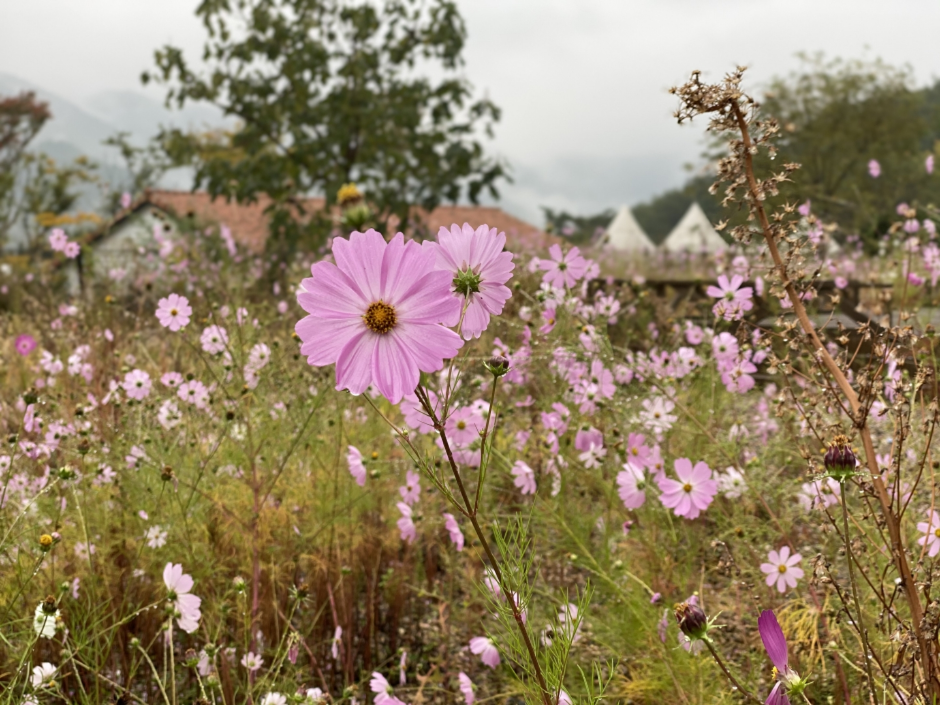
[328,92]
[836,116]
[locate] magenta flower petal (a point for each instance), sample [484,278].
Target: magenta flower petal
[775,643]
[360,258]
[354,364]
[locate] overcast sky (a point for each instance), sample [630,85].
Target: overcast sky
[582,83]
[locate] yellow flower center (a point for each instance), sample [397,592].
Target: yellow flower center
[461,425]
[782,568]
[936,532]
[686,487]
[380,317]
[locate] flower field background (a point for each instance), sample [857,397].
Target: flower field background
[449,471]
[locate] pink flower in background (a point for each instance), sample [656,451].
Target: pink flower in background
[453,528]
[376,314]
[563,272]
[734,299]
[464,426]
[525,477]
[931,533]
[126,200]
[781,569]
[479,269]
[874,169]
[691,494]
[466,687]
[173,312]
[411,491]
[252,661]
[137,384]
[805,208]
[194,392]
[356,467]
[337,641]
[25,344]
[725,346]
[184,602]
[71,250]
[214,339]
[548,315]
[171,379]
[58,240]
[928,164]
[383,690]
[638,452]
[406,525]
[484,648]
[631,482]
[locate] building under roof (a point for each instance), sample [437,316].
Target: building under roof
[624,234]
[695,234]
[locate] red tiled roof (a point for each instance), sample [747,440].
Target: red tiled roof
[249,224]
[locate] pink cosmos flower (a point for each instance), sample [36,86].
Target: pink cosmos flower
[931,533]
[563,272]
[466,687]
[484,648]
[548,315]
[638,452]
[464,425]
[406,525]
[252,661]
[692,493]
[928,164]
[58,240]
[734,299]
[25,344]
[337,641]
[479,269]
[632,484]
[525,477]
[376,313]
[185,603]
[137,384]
[126,200]
[411,491]
[383,690]
[725,346]
[214,339]
[781,569]
[173,312]
[453,528]
[194,392]
[171,379]
[71,250]
[874,169]
[356,467]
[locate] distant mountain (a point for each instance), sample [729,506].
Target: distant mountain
[70,124]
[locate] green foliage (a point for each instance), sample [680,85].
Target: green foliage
[328,93]
[835,116]
[577,229]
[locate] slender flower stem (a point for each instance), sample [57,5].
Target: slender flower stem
[471,513]
[721,664]
[863,633]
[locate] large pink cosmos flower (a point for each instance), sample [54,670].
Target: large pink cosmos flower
[173,312]
[184,602]
[781,569]
[376,313]
[480,270]
[562,272]
[692,493]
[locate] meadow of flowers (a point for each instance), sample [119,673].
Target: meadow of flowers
[447,471]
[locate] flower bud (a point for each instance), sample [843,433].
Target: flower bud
[497,365]
[840,460]
[49,606]
[691,620]
[45,543]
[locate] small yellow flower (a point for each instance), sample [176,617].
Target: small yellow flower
[347,194]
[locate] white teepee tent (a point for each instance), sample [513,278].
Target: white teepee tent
[694,233]
[624,234]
